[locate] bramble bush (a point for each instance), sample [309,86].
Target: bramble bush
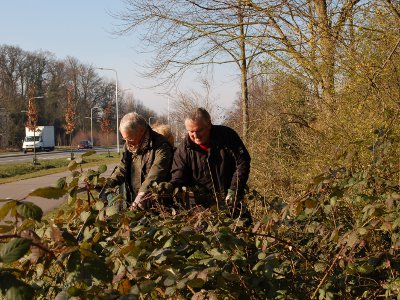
[339,239]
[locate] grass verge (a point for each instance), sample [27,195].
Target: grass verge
[20,171]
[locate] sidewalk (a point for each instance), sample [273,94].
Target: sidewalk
[20,189]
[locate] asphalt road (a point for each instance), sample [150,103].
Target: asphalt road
[20,189]
[16,157]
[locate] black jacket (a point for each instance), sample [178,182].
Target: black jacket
[226,165]
[151,165]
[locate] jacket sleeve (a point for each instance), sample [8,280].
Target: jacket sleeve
[118,176]
[242,170]
[180,173]
[160,169]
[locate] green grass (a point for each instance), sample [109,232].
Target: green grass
[19,171]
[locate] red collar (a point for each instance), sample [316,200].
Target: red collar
[204,147]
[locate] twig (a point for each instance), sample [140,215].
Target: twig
[327,272]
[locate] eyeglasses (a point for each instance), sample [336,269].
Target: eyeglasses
[132,139]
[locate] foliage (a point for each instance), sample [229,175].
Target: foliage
[338,239]
[70,113]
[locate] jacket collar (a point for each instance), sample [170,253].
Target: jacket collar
[213,141]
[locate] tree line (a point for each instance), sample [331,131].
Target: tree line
[51,79]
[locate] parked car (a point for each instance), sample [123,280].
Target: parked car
[86,144]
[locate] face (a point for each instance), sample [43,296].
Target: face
[132,139]
[199,131]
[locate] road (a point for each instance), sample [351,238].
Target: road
[19,189]
[17,157]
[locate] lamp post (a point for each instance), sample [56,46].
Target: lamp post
[91,124]
[116,101]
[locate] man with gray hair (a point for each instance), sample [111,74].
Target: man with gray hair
[214,159]
[146,158]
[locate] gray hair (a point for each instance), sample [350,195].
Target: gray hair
[198,114]
[132,122]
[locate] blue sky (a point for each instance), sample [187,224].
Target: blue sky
[83,29]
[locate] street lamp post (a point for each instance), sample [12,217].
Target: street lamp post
[116,101]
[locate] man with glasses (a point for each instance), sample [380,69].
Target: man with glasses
[213,162]
[146,158]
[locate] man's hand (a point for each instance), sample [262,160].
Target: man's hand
[142,201]
[230,197]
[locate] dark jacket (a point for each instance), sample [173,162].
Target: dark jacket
[153,164]
[226,165]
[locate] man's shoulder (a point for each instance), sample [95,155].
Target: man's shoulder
[220,131]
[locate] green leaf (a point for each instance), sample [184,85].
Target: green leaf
[14,250]
[99,205]
[84,215]
[74,261]
[261,255]
[231,277]
[78,160]
[169,281]
[69,238]
[352,239]
[6,208]
[98,269]
[169,242]
[146,286]
[63,295]
[61,182]
[49,192]
[88,153]
[22,292]
[6,228]
[182,283]
[217,255]
[310,203]
[29,210]
[362,230]
[74,291]
[102,169]
[196,283]
[111,210]
[365,268]
[319,267]
[72,194]
[72,165]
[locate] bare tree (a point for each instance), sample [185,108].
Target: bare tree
[307,36]
[192,33]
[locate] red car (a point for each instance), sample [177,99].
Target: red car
[85,145]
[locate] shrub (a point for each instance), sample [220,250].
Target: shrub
[339,239]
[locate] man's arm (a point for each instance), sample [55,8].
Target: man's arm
[180,173]
[242,159]
[160,169]
[118,176]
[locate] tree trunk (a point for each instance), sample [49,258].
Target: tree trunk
[243,71]
[327,48]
